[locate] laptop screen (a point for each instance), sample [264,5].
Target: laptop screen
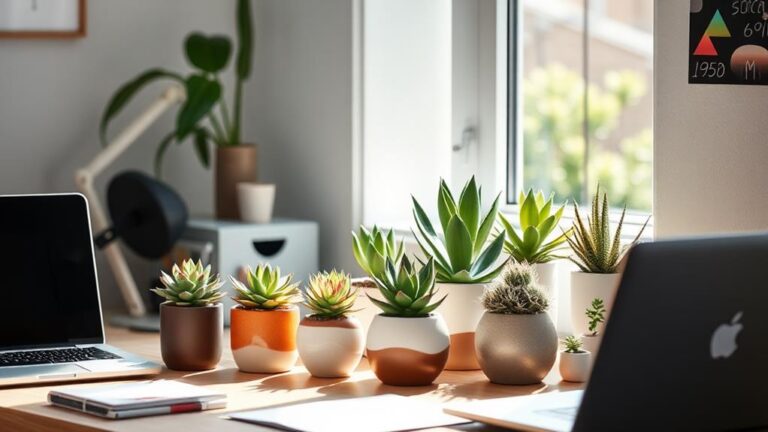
[48,279]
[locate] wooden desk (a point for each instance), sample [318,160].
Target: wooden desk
[25,408]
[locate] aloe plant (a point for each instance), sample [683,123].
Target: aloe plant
[537,222]
[372,248]
[407,290]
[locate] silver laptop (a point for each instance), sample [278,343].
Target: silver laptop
[684,348]
[50,312]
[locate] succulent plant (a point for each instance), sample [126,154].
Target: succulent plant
[190,285]
[595,315]
[372,248]
[266,289]
[572,345]
[537,222]
[407,291]
[595,251]
[461,254]
[516,293]
[330,295]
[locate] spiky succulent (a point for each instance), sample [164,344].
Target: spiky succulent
[595,315]
[572,344]
[372,248]
[461,254]
[595,251]
[516,293]
[191,285]
[407,291]
[330,295]
[537,222]
[266,289]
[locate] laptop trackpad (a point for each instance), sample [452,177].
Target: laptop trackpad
[42,372]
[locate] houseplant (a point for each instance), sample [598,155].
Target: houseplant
[516,342]
[204,116]
[191,318]
[408,343]
[595,319]
[264,323]
[464,263]
[575,363]
[330,341]
[597,254]
[534,242]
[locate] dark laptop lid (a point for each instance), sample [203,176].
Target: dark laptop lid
[48,279]
[685,347]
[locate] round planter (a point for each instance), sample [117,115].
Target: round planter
[585,287]
[591,343]
[256,201]
[330,348]
[547,273]
[575,367]
[462,311]
[264,341]
[236,164]
[190,337]
[516,349]
[407,351]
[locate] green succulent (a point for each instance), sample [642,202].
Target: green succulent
[191,285]
[572,345]
[407,291]
[537,222]
[372,248]
[265,289]
[330,295]
[595,315]
[461,254]
[595,251]
[516,293]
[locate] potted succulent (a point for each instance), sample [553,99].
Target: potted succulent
[204,115]
[597,255]
[464,263]
[408,343]
[595,319]
[330,341]
[516,341]
[264,323]
[534,242]
[575,362]
[191,318]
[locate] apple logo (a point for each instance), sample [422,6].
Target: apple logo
[723,343]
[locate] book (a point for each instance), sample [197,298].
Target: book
[140,399]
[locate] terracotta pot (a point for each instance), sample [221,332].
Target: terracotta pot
[547,278]
[407,351]
[264,341]
[575,367]
[236,164]
[330,348]
[585,287]
[462,311]
[516,349]
[190,337]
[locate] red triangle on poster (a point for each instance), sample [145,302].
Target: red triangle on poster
[705,47]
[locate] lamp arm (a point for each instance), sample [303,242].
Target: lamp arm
[84,178]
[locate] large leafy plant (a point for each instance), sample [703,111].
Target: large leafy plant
[407,290]
[537,222]
[372,248]
[462,254]
[198,116]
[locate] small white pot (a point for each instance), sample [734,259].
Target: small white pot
[547,273]
[591,343]
[330,348]
[585,287]
[256,201]
[575,367]
[462,311]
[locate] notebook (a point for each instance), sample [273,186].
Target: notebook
[137,399]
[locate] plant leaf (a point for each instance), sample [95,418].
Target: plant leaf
[488,256]
[245,39]
[469,208]
[486,225]
[201,147]
[202,95]
[459,244]
[209,53]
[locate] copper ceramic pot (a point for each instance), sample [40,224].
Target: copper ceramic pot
[190,337]
[264,341]
[235,164]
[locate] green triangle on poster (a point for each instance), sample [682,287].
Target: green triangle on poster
[717,27]
[705,47]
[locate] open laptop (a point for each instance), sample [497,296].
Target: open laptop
[684,348]
[50,312]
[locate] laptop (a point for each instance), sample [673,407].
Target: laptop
[50,310]
[684,348]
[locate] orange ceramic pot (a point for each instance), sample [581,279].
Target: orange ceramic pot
[264,341]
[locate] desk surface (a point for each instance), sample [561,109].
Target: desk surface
[25,408]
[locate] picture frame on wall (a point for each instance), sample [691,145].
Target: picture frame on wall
[42,19]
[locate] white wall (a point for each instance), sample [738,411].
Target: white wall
[710,152]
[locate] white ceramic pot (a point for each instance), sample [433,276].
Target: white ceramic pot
[585,287]
[462,311]
[256,201]
[591,343]
[575,367]
[407,351]
[330,348]
[547,273]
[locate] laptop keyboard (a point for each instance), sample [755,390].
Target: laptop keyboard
[62,355]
